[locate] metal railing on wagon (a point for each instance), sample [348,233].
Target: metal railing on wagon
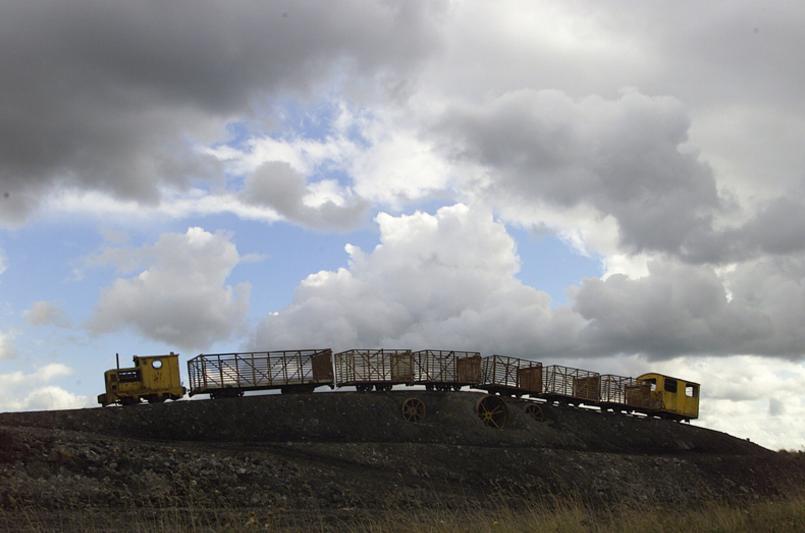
[613,391]
[378,368]
[510,375]
[232,374]
[443,370]
[572,385]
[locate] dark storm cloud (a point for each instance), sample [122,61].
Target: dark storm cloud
[628,158]
[678,309]
[622,157]
[278,186]
[779,228]
[110,96]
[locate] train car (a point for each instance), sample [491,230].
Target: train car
[613,391]
[664,396]
[378,368]
[510,375]
[154,378]
[573,385]
[443,370]
[232,374]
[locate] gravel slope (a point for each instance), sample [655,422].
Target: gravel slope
[354,453]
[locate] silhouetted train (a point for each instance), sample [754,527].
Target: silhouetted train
[155,378]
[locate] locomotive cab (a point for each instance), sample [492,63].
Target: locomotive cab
[154,378]
[664,396]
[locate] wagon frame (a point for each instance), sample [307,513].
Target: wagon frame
[501,374]
[443,370]
[233,374]
[379,368]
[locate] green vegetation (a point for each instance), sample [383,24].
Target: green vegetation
[778,515]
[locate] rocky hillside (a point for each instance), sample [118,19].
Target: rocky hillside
[350,452]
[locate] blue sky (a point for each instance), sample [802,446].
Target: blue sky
[49,265]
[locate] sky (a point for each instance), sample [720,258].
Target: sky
[612,186]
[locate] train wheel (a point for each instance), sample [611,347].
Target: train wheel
[128,400]
[492,411]
[535,411]
[413,409]
[156,399]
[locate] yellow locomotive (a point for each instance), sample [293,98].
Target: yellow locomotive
[154,378]
[661,395]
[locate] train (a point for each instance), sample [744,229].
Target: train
[156,378]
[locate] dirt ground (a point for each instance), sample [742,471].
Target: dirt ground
[343,452]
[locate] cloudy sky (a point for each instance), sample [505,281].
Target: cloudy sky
[615,186]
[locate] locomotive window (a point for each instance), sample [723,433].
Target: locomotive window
[670,385]
[128,376]
[690,391]
[653,383]
[156,363]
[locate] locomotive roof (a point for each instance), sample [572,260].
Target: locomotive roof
[665,376]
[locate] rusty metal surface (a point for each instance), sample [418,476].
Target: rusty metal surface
[492,411]
[640,396]
[501,373]
[233,372]
[367,367]
[572,383]
[446,367]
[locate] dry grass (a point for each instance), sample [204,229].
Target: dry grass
[559,517]
[788,515]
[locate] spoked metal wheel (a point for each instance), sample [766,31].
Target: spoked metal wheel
[492,411]
[413,409]
[535,411]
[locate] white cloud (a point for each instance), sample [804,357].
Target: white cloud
[47,398]
[43,313]
[446,278]
[749,397]
[434,280]
[52,371]
[398,166]
[181,297]
[3,262]
[21,391]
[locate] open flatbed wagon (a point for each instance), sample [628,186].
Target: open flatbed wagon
[232,374]
[510,375]
[443,370]
[380,369]
[571,385]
